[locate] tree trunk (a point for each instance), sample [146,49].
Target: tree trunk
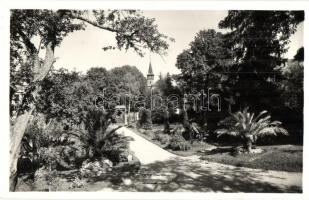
[248,144]
[166,122]
[20,124]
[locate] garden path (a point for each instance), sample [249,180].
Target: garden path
[164,171]
[144,150]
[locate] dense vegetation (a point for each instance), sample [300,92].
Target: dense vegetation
[63,120]
[68,97]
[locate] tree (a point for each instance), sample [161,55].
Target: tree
[166,121]
[299,56]
[259,40]
[291,88]
[132,31]
[129,80]
[248,128]
[99,78]
[204,63]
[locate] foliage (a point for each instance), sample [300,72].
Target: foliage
[259,40]
[187,133]
[178,143]
[129,79]
[248,127]
[274,157]
[299,56]
[47,144]
[166,121]
[95,168]
[165,87]
[291,88]
[157,116]
[252,30]
[126,81]
[291,85]
[204,63]
[145,118]
[50,27]
[103,142]
[99,78]
[57,96]
[162,138]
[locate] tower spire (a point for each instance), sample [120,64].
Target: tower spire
[150,71]
[150,75]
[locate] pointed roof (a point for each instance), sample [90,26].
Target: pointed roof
[150,72]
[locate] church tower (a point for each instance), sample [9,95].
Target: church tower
[150,76]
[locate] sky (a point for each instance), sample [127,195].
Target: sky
[82,50]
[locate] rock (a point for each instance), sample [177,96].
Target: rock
[127,181]
[107,162]
[130,157]
[95,168]
[256,151]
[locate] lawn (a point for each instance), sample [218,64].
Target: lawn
[277,157]
[274,157]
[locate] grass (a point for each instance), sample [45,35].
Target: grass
[274,157]
[277,157]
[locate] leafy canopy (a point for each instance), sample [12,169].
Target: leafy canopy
[203,63]
[132,31]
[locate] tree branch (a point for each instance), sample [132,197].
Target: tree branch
[93,23]
[29,45]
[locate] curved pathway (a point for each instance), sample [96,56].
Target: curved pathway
[144,150]
[164,171]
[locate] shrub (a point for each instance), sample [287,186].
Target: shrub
[148,133]
[162,138]
[105,142]
[43,144]
[157,116]
[178,143]
[145,118]
[247,128]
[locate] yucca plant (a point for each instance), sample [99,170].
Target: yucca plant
[248,127]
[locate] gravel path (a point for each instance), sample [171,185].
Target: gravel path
[164,171]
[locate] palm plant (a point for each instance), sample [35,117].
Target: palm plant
[100,137]
[248,128]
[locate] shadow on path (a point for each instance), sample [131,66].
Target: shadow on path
[188,175]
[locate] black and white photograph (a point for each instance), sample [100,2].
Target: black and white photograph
[133,100]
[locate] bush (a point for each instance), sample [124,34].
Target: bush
[145,119]
[178,143]
[148,133]
[162,138]
[248,128]
[157,116]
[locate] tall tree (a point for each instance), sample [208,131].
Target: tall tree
[299,56]
[131,29]
[129,79]
[203,65]
[206,65]
[259,40]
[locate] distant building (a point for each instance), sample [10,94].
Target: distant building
[150,76]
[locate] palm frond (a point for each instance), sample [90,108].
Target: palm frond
[260,115]
[273,130]
[244,123]
[221,132]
